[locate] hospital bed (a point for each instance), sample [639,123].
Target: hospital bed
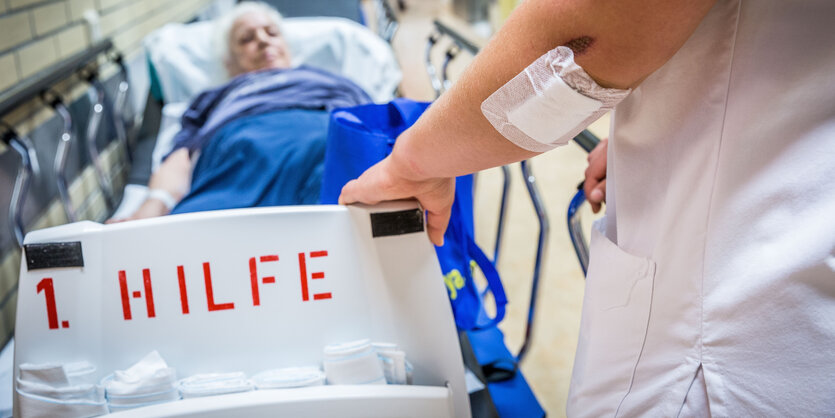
[183,63]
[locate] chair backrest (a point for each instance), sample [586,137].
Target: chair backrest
[183,61]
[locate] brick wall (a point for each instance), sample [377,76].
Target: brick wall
[38,33]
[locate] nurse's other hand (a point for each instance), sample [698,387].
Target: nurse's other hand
[390,180]
[594,185]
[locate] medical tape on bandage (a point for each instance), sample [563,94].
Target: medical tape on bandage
[549,102]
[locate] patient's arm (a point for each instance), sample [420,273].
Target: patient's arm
[174,177]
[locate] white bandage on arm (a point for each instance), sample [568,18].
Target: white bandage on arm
[549,102]
[163,196]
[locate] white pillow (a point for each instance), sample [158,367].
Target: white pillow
[347,48]
[186,63]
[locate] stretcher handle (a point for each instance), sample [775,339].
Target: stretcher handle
[586,140]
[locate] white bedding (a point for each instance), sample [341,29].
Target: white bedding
[186,62]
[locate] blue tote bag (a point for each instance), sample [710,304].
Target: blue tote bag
[361,136]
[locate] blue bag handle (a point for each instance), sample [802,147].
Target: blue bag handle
[408,110]
[494,283]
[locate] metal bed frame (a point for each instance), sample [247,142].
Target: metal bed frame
[85,66]
[586,140]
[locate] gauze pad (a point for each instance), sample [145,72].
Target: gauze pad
[353,363]
[55,390]
[549,102]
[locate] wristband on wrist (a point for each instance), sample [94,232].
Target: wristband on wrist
[164,197]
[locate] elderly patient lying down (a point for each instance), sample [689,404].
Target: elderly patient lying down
[260,138]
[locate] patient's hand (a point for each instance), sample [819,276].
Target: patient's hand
[174,177]
[149,209]
[595,184]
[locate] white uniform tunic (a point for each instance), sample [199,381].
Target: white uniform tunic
[718,247]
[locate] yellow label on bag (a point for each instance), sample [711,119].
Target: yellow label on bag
[454,281]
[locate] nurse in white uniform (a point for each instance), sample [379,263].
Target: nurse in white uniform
[711,289]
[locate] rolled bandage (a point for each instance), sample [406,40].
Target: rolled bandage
[549,102]
[394,362]
[353,363]
[210,384]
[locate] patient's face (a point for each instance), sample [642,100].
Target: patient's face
[256,44]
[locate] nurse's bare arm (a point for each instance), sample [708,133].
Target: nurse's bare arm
[617,42]
[172,176]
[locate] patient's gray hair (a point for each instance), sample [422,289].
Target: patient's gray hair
[224,24]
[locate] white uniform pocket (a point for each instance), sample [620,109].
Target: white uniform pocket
[616,310]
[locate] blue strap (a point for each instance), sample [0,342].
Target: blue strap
[494,283]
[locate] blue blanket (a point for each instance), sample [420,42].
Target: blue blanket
[268,159]
[261,92]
